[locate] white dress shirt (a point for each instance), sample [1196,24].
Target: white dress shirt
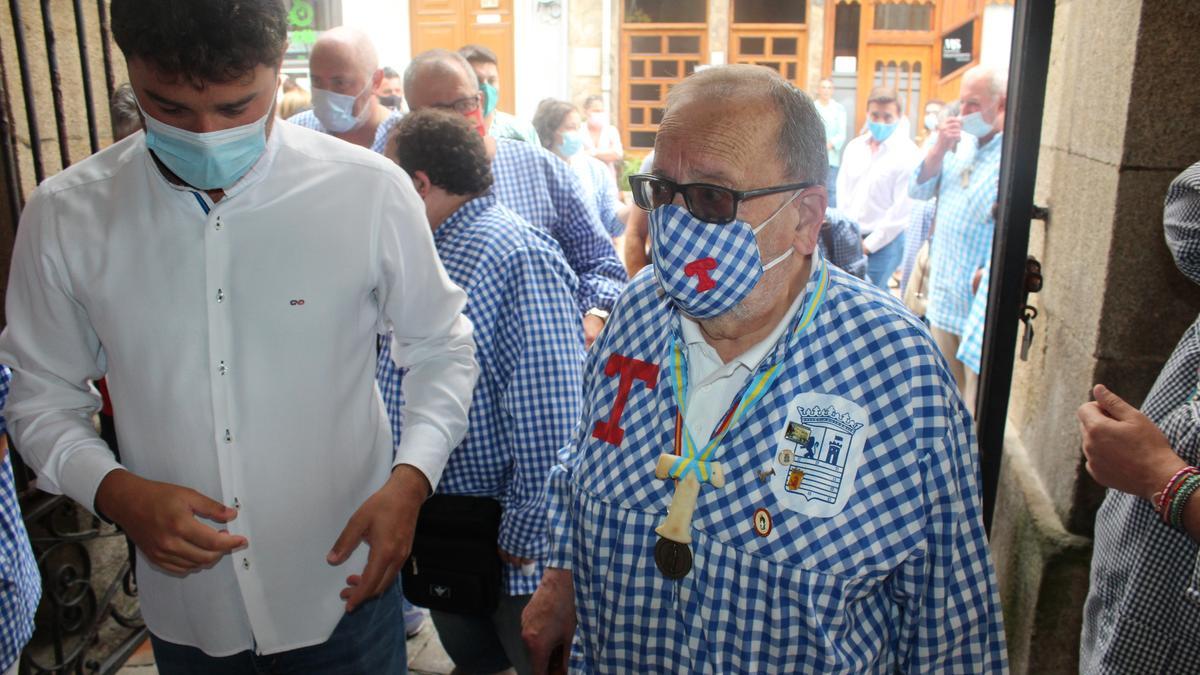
[872,187]
[713,383]
[238,339]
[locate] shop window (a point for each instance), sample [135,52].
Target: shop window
[769,11]
[917,17]
[666,11]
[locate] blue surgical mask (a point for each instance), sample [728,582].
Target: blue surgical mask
[335,111]
[572,143]
[491,98]
[209,161]
[707,269]
[975,125]
[880,131]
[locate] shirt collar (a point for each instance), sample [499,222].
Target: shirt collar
[465,215]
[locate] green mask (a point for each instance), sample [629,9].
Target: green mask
[491,96]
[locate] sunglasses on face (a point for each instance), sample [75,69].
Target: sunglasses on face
[710,203]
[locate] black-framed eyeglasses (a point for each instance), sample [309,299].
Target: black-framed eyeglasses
[711,203]
[463,106]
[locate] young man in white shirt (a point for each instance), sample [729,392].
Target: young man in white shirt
[228,272]
[873,183]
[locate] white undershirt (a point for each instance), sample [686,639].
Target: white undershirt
[712,383]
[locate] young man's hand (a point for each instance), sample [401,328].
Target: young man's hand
[160,519]
[386,521]
[1124,449]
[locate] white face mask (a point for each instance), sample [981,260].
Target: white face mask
[930,121]
[336,111]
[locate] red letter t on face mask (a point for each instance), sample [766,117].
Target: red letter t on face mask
[630,369]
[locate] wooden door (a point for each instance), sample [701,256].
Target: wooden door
[450,24]
[772,33]
[653,59]
[897,40]
[906,68]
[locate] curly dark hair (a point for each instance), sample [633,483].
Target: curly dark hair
[549,117]
[202,40]
[444,145]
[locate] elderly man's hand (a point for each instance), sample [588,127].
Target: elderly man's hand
[949,134]
[1124,449]
[548,622]
[592,325]
[386,521]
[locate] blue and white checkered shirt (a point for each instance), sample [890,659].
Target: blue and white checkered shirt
[1142,613]
[529,343]
[962,235]
[20,583]
[544,190]
[308,120]
[970,348]
[597,179]
[848,536]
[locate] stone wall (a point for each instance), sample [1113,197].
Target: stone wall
[1116,129]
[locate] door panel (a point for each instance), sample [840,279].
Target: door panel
[653,59]
[450,24]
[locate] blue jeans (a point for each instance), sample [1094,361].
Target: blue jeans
[883,262]
[369,640]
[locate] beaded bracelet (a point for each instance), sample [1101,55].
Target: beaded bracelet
[1163,497]
[1180,498]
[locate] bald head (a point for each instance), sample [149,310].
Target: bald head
[774,116]
[343,60]
[438,77]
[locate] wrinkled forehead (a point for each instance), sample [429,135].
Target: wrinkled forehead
[336,59]
[441,83]
[727,142]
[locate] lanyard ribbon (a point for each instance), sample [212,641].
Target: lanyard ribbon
[695,461]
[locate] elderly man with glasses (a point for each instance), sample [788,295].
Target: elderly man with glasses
[774,471]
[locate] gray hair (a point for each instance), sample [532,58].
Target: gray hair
[440,60]
[996,79]
[801,146]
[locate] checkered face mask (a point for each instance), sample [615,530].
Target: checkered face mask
[707,269]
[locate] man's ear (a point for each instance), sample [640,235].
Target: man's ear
[422,183]
[376,79]
[811,208]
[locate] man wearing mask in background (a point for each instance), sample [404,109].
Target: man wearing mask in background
[390,91]
[344,71]
[833,115]
[540,187]
[773,472]
[228,272]
[498,123]
[963,172]
[530,358]
[873,183]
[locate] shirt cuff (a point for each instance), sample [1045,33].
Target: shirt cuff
[425,448]
[559,515]
[84,470]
